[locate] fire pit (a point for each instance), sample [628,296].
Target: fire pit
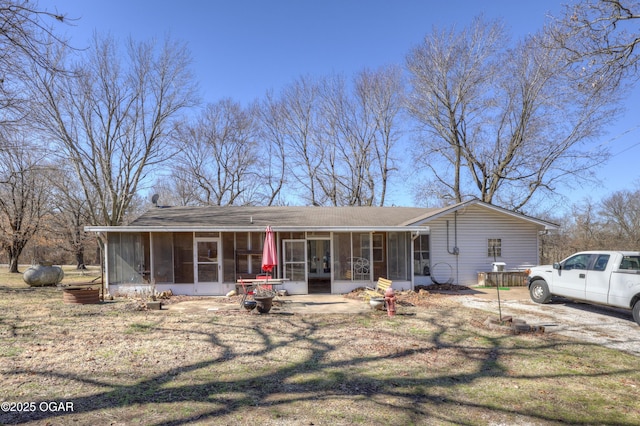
[81,296]
[249,305]
[263,304]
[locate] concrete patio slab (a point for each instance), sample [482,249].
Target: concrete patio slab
[307,304]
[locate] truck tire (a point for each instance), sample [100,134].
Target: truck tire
[539,292]
[636,312]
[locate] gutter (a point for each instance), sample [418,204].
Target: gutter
[418,229]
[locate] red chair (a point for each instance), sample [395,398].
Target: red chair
[246,291]
[266,278]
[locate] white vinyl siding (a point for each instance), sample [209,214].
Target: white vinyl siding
[475,226]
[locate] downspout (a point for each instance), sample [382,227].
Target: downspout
[104,263]
[455,250]
[411,256]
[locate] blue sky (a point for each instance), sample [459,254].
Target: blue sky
[243,48]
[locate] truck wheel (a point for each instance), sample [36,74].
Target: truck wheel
[539,292]
[636,312]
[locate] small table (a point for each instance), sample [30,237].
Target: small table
[255,283]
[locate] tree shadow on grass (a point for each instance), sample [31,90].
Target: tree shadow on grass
[441,361]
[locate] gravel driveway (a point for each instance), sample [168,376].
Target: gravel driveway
[610,327]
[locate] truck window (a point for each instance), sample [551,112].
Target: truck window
[630,263]
[601,262]
[579,261]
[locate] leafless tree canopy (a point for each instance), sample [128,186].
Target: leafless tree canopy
[621,213]
[69,213]
[334,141]
[610,224]
[24,196]
[113,118]
[502,122]
[361,128]
[218,155]
[296,128]
[25,32]
[602,36]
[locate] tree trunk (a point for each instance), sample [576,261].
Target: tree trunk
[13,264]
[80,260]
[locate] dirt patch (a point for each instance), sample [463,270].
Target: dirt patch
[422,296]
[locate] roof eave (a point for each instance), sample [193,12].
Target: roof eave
[547,225]
[256,228]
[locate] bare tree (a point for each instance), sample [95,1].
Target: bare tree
[602,36]
[349,135]
[23,197]
[274,157]
[69,214]
[333,142]
[25,30]
[300,132]
[501,123]
[219,154]
[113,118]
[380,94]
[621,211]
[358,132]
[176,189]
[611,224]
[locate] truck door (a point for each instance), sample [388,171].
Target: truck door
[598,280]
[571,278]
[624,279]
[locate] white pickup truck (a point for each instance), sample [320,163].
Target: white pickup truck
[610,278]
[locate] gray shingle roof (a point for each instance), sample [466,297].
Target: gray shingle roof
[289,218]
[316,217]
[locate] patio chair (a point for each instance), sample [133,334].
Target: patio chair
[378,292]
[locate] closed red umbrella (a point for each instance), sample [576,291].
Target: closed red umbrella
[269,255]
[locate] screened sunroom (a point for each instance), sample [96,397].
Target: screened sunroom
[213,262]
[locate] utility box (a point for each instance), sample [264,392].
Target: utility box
[498,266]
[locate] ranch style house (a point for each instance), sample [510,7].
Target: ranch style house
[207,250]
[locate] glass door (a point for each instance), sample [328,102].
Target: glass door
[206,266]
[319,265]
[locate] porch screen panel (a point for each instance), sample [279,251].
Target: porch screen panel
[295,261]
[248,254]
[421,258]
[228,257]
[379,260]
[257,240]
[207,261]
[242,256]
[162,257]
[342,255]
[399,256]
[256,264]
[126,258]
[361,264]
[183,257]
[257,243]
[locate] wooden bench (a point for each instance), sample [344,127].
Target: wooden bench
[382,286]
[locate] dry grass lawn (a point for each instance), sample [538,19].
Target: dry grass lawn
[436,364]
